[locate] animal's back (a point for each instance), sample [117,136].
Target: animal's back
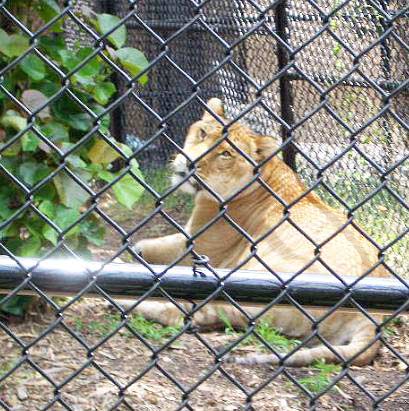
[315,231]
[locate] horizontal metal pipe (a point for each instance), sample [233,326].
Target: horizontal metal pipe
[67,277]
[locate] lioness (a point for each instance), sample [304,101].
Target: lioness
[286,249]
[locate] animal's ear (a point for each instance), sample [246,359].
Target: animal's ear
[217,106]
[265,146]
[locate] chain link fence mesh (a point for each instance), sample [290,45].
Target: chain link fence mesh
[322,58]
[329,81]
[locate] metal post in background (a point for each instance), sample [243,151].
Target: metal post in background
[401,64]
[116,114]
[286,97]
[386,59]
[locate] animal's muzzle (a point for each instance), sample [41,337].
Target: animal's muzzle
[188,179]
[181,174]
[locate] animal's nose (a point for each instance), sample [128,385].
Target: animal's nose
[181,173]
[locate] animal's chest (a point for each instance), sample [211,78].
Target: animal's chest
[221,244]
[283,247]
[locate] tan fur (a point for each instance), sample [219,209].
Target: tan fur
[286,249]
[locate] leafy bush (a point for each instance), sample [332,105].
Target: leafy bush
[75,124]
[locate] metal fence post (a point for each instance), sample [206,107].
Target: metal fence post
[286,96]
[117,129]
[401,64]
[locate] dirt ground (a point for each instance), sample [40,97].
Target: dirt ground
[176,370]
[84,369]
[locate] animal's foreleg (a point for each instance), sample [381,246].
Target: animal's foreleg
[163,250]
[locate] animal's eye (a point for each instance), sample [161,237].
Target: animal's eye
[202,134]
[225,154]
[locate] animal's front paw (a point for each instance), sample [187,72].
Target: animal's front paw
[149,249]
[139,247]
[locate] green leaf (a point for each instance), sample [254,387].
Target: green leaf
[337,49]
[94,169]
[106,176]
[128,152]
[5,211]
[86,75]
[134,61]
[65,217]
[136,170]
[64,106]
[42,172]
[105,120]
[11,231]
[34,67]
[13,119]
[127,190]
[48,9]
[68,112]
[48,88]
[48,208]
[17,305]
[11,164]
[70,193]
[103,92]
[32,172]
[76,161]
[93,231]
[15,46]
[106,22]
[52,45]
[71,60]
[30,247]
[102,153]
[33,226]
[29,142]
[11,151]
[4,40]
[79,121]
[55,131]
[13,244]
[8,84]
[81,249]
[50,234]
[46,192]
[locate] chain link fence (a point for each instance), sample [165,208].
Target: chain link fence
[281,285]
